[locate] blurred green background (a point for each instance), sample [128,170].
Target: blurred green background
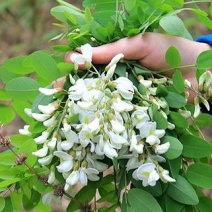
[26,25]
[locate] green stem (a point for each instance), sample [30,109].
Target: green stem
[179,67]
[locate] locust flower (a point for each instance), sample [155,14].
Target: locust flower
[49,91]
[114,60]
[42,138]
[25,130]
[40,117]
[48,109]
[124,87]
[77,90]
[121,106]
[161,149]
[66,163]
[164,176]
[41,152]
[84,58]
[147,174]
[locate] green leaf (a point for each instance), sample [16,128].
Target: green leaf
[175,26]
[7,114]
[178,81]
[6,174]
[175,166]
[205,204]
[139,200]
[7,158]
[172,205]
[3,95]
[180,122]
[85,195]
[9,182]
[182,192]
[199,174]
[19,107]
[16,65]
[160,120]
[204,60]
[2,203]
[175,100]
[41,99]
[27,148]
[6,75]
[175,149]
[195,147]
[61,12]
[22,88]
[17,140]
[32,201]
[16,200]
[172,57]
[103,10]
[204,120]
[45,66]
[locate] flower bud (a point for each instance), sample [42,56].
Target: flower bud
[49,91]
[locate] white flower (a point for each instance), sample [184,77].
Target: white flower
[71,137]
[125,87]
[52,143]
[121,106]
[42,138]
[41,152]
[66,163]
[164,176]
[152,135]
[109,73]
[161,149]
[48,109]
[46,160]
[135,145]
[85,105]
[147,174]
[109,151]
[145,83]
[94,125]
[49,198]
[85,137]
[94,161]
[139,117]
[197,110]
[77,90]
[28,111]
[51,178]
[117,140]
[25,131]
[49,91]
[84,58]
[49,122]
[40,117]
[117,126]
[73,178]
[133,162]
[114,60]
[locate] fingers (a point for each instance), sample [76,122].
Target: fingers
[130,47]
[59,83]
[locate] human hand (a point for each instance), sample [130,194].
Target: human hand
[150,49]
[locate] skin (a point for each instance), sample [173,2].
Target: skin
[149,49]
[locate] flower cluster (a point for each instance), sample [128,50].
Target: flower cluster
[99,121]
